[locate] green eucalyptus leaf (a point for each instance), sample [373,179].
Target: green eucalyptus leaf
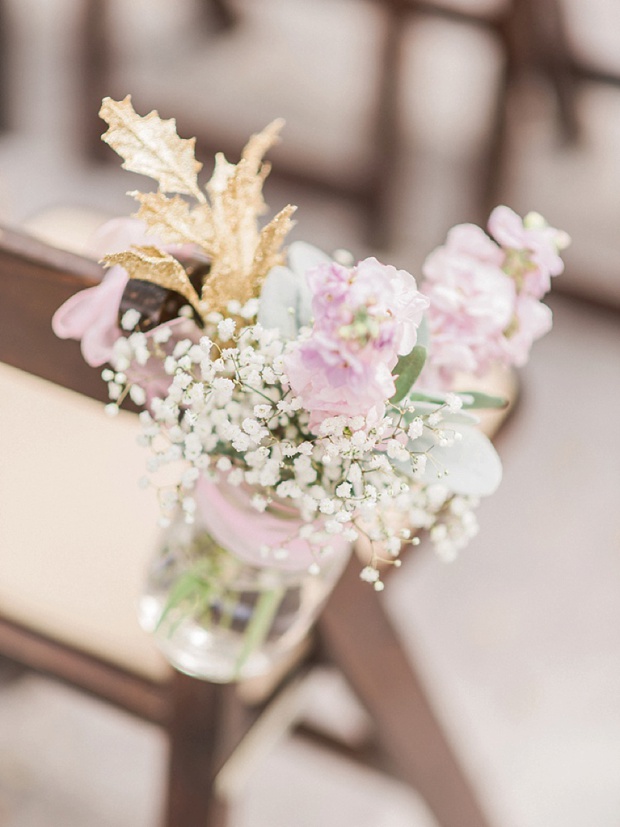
[477,399]
[407,370]
[470,467]
[423,333]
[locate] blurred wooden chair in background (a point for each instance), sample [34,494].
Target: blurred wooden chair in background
[533,43]
[75,532]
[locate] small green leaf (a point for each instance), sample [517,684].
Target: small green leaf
[407,370]
[186,588]
[476,399]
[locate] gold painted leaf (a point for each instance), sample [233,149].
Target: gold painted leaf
[267,253]
[225,227]
[151,146]
[175,222]
[152,264]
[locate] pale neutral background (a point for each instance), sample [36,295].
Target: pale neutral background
[519,640]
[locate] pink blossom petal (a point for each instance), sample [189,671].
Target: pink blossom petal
[91,315]
[506,227]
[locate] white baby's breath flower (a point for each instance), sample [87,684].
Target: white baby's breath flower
[344,490]
[263,411]
[162,334]
[170,365]
[369,574]
[226,329]
[114,390]
[435,418]
[251,426]
[137,394]
[259,502]
[235,477]
[130,319]
[416,428]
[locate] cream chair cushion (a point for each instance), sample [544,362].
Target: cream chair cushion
[76,531]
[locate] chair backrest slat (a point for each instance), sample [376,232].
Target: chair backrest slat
[35,279]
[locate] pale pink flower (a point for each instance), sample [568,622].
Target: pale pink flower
[532,320]
[364,318]
[330,385]
[471,304]
[226,512]
[91,316]
[537,246]
[484,295]
[466,240]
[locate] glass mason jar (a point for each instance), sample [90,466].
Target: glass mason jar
[219,613]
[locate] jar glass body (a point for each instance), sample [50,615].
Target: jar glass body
[218,617]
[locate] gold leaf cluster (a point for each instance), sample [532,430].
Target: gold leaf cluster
[223,226]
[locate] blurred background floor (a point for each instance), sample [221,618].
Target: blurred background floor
[519,640]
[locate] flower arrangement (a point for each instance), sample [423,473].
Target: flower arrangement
[293,382]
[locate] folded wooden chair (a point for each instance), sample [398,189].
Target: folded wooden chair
[75,532]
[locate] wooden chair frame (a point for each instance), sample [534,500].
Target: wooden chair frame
[206,724]
[533,40]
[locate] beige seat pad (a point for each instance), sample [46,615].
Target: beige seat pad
[76,531]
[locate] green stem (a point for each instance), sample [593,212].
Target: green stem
[258,628]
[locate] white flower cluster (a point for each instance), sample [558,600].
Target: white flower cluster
[227,413]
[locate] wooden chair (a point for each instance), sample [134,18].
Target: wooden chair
[533,42]
[74,535]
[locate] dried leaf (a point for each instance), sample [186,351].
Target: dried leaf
[226,228]
[267,253]
[174,221]
[151,146]
[259,144]
[151,264]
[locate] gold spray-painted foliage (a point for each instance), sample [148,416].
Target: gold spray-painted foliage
[223,224]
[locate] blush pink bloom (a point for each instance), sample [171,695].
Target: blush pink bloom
[471,305]
[533,320]
[364,318]
[539,244]
[226,512]
[484,295]
[91,316]
[330,385]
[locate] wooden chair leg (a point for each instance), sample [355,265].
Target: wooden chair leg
[386,125]
[95,45]
[5,74]
[218,13]
[554,60]
[358,637]
[207,722]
